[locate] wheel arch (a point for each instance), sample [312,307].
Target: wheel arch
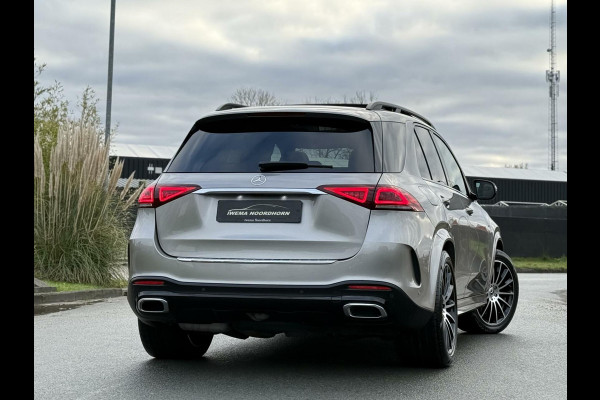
[442,241]
[449,248]
[498,243]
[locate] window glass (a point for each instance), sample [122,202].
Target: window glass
[423,168]
[393,149]
[431,155]
[455,178]
[232,145]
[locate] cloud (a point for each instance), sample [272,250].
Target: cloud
[476,69]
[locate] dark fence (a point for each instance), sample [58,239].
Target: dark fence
[525,190]
[531,231]
[140,165]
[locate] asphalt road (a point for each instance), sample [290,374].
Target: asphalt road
[94,352]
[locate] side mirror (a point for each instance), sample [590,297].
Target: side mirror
[485,190]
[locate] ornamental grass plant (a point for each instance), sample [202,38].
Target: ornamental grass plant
[80,215]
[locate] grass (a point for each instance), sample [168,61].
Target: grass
[71,287]
[540,264]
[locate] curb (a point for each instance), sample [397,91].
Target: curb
[78,295]
[49,302]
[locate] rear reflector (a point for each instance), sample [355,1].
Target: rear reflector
[154,196]
[375,197]
[369,287]
[149,282]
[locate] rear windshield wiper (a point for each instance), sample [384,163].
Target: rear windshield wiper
[282,166]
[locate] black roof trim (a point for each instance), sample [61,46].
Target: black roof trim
[229,106]
[382,105]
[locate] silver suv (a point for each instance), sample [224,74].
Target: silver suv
[332,219]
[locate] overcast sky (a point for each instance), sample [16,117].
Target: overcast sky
[475,68]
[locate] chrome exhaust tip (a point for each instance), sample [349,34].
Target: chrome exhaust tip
[364,310]
[152,305]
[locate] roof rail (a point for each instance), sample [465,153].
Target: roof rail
[332,104]
[382,105]
[229,106]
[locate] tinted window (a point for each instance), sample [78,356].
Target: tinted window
[423,168]
[239,145]
[394,147]
[455,178]
[433,160]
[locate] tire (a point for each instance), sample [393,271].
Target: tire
[163,341]
[435,344]
[502,297]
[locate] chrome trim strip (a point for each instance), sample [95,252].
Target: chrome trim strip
[254,260]
[259,190]
[348,311]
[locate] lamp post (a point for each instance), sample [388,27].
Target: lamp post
[111,45]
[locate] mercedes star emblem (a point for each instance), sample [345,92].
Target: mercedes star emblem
[258,180]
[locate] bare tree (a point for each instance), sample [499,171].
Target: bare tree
[517,166]
[360,97]
[254,97]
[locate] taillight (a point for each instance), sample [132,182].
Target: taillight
[355,194]
[395,198]
[154,196]
[375,197]
[146,199]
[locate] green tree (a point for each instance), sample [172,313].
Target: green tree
[51,110]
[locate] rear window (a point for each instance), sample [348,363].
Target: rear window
[240,144]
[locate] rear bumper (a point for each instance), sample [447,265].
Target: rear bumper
[396,256]
[271,309]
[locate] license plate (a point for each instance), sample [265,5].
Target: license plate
[259,211]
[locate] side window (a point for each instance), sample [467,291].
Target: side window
[423,168]
[431,155]
[455,178]
[394,140]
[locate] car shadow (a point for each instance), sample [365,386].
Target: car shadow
[316,357]
[310,367]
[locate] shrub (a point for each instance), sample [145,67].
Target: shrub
[80,216]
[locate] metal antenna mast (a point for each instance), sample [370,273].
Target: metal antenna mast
[552,77]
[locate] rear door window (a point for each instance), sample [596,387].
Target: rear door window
[240,144]
[423,168]
[455,177]
[431,155]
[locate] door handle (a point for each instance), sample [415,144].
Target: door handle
[469,210]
